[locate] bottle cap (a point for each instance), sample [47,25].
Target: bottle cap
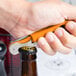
[28,50]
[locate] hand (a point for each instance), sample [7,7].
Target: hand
[21,18]
[13,17]
[59,41]
[26,18]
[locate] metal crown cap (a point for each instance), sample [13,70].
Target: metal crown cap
[28,50]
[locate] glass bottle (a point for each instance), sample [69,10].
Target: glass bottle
[28,60]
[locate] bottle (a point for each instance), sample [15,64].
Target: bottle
[3,50]
[28,60]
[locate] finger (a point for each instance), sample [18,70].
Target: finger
[67,39]
[45,46]
[55,43]
[71,27]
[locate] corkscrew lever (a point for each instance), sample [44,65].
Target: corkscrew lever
[32,37]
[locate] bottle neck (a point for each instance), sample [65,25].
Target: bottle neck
[28,57]
[29,68]
[28,61]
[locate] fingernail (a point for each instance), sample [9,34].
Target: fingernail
[59,33]
[71,26]
[42,41]
[51,38]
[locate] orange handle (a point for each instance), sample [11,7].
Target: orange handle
[41,33]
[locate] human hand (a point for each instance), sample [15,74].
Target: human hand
[26,18]
[13,17]
[60,40]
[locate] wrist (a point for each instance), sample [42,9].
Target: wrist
[13,16]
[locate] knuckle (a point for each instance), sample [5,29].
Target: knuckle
[74,32]
[57,48]
[66,42]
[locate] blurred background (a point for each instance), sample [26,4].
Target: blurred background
[73,2]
